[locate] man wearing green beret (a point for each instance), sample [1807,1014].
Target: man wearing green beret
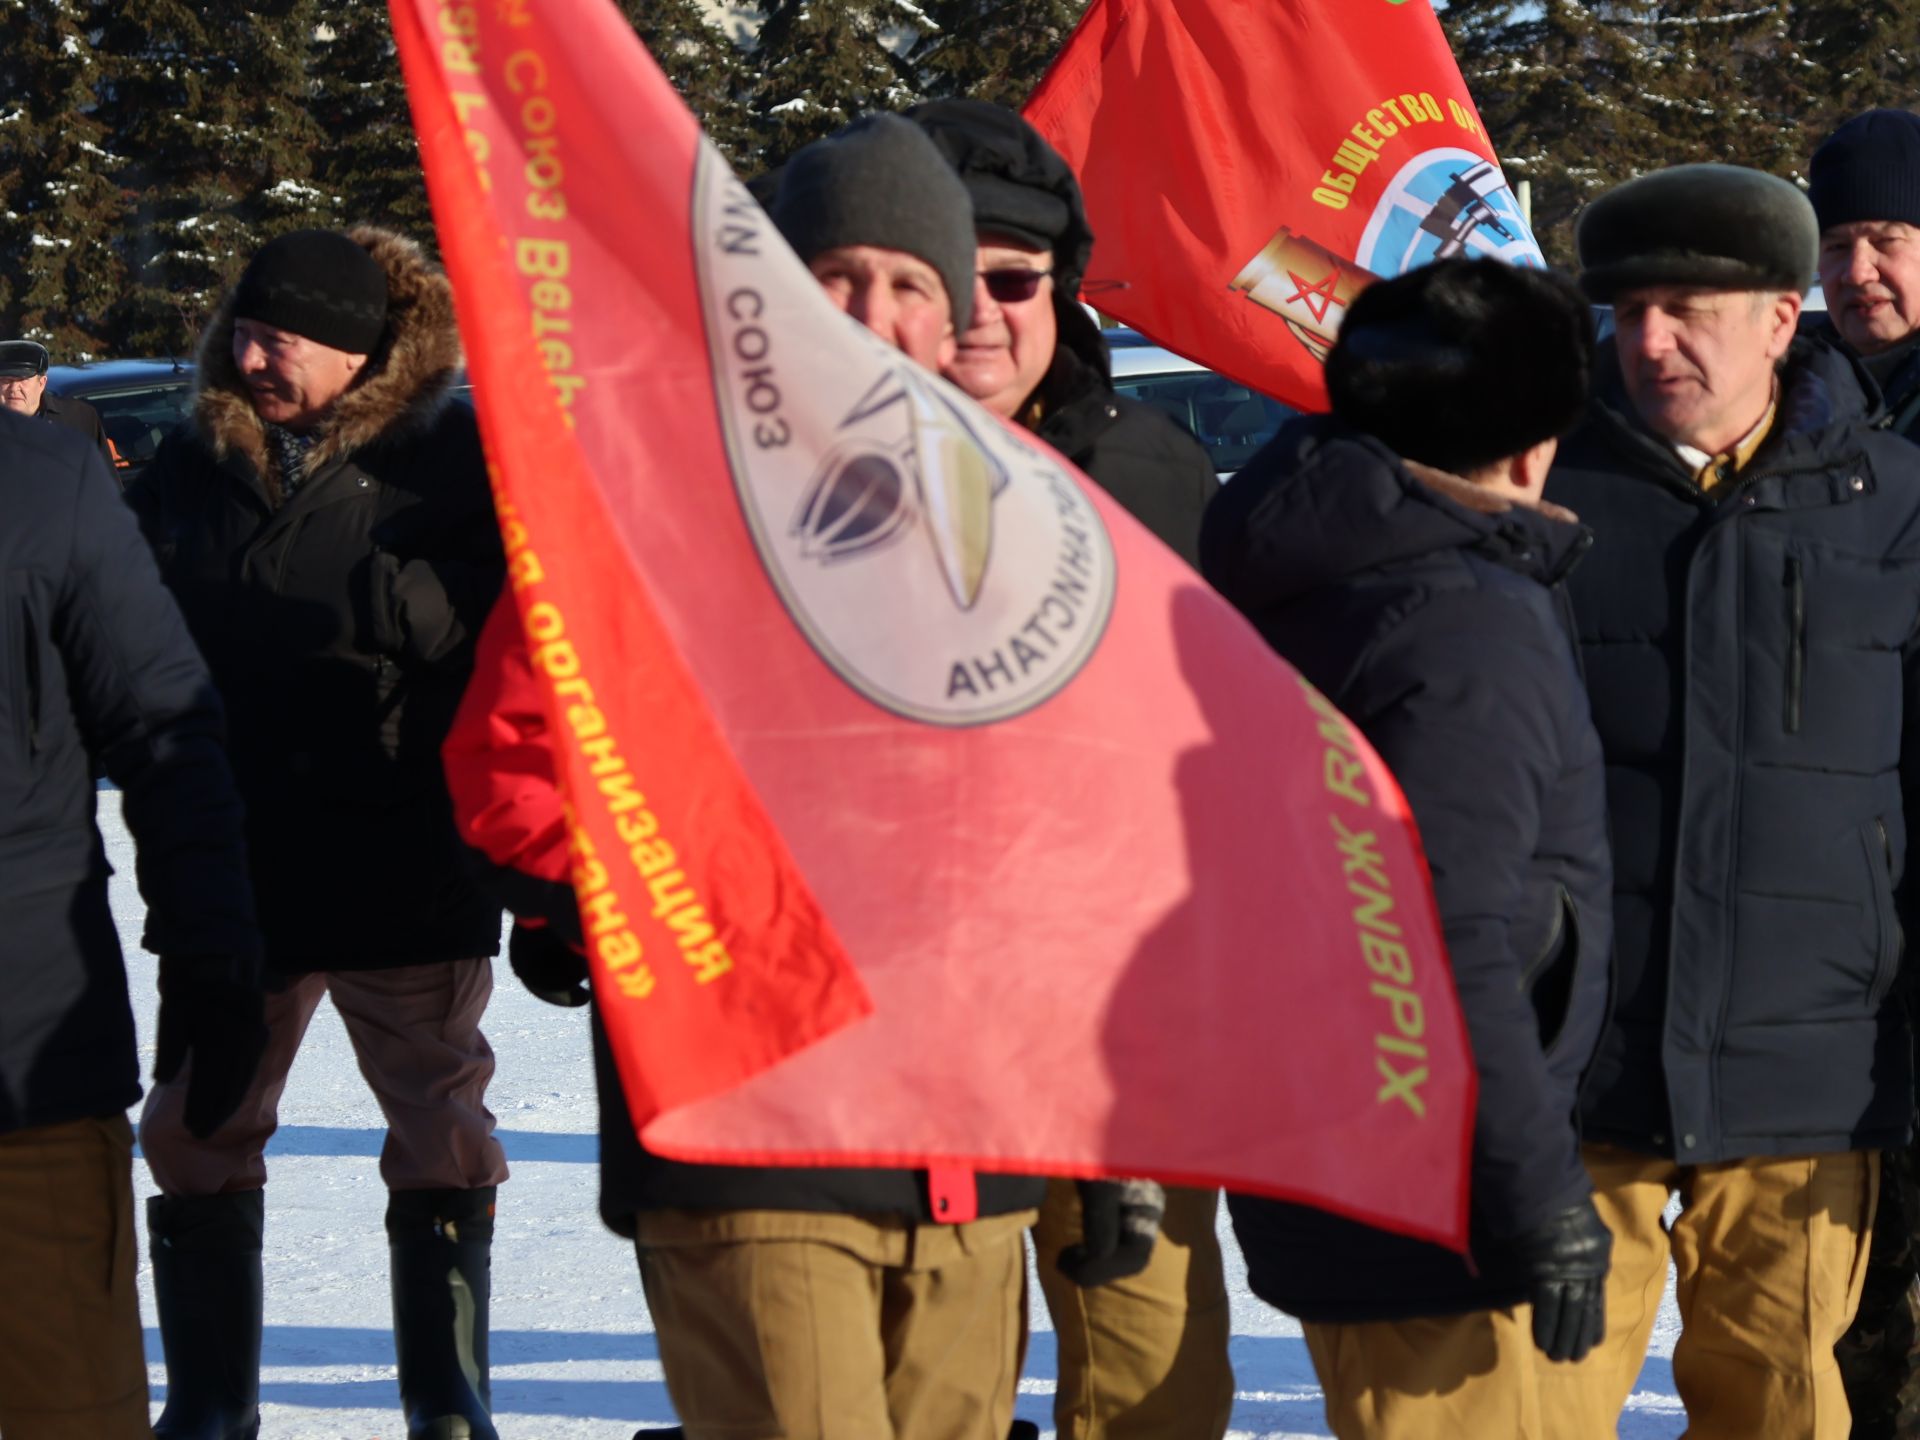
[1747,621]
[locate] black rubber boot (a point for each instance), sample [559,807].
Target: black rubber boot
[206,1284]
[440,1242]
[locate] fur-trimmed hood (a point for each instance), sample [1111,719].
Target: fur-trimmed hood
[402,388]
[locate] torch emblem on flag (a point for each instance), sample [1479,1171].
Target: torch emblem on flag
[907,454]
[985,619]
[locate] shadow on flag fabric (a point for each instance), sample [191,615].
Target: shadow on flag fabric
[1250,168]
[839,667]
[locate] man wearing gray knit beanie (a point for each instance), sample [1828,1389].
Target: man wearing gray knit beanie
[1865,186]
[818,1302]
[886,227]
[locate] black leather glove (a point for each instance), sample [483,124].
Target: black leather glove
[1566,1260]
[221,1023]
[1118,1222]
[548,966]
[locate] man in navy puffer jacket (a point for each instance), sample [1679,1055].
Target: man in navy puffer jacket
[1424,600]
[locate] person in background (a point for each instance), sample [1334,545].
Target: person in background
[23,390]
[1401,554]
[1131,1272]
[1865,189]
[326,524]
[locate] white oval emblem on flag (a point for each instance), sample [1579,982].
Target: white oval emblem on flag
[943,567]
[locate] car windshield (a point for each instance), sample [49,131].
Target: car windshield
[138,418]
[1231,420]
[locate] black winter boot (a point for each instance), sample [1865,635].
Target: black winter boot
[206,1283]
[440,1242]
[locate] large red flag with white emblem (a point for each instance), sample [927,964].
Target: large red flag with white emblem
[924,809]
[1250,168]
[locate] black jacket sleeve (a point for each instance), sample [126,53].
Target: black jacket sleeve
[150,717]
[431,597]
[1468,718]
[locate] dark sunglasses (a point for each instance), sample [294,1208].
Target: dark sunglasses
[1010,287]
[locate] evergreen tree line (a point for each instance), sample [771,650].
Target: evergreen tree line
[146,150]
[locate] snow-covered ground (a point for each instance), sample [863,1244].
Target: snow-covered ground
[573,1349]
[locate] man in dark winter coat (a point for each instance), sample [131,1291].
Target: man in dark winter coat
[1748,619]
[1131,1273]
[326,524]
[1864,183]
[813,1304]
[23,390]
[101,676]
[1400,554]
[1865,189]
[1032,354]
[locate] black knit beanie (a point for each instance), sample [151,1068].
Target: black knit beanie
[1868,169]
[320,284]
[881,182]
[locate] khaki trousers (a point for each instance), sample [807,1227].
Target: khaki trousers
[71,1362]
[1450,1377]
[784,1325]
[416,1034]
[1143,1358]
[1769,1256]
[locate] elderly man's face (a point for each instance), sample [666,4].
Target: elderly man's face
[292,381]
[899,297]
[21,394]
[1870,272]
[1698,364]
[1006,351]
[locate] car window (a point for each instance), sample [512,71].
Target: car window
[138,419]
[1231,420]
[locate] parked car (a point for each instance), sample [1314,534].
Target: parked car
[139,402]
[1228,418]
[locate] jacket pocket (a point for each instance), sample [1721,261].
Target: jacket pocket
[1548,979]
[1888,939]
[1796,664]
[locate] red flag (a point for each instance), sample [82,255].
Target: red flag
[1129,897]
[1249,168]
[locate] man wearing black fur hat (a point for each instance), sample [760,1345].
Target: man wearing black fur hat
[1401,555]
[1132,1274]
[326,524]
[1748,619]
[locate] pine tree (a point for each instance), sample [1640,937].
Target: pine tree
[1562,89]
[824,62]
[706,67]
[1860,54]
[208,110]
[59,210]
[368,165]
[991,49]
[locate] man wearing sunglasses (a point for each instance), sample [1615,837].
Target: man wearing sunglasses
[1132,1274]
[1032,354]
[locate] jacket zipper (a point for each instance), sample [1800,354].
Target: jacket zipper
[1796,642]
